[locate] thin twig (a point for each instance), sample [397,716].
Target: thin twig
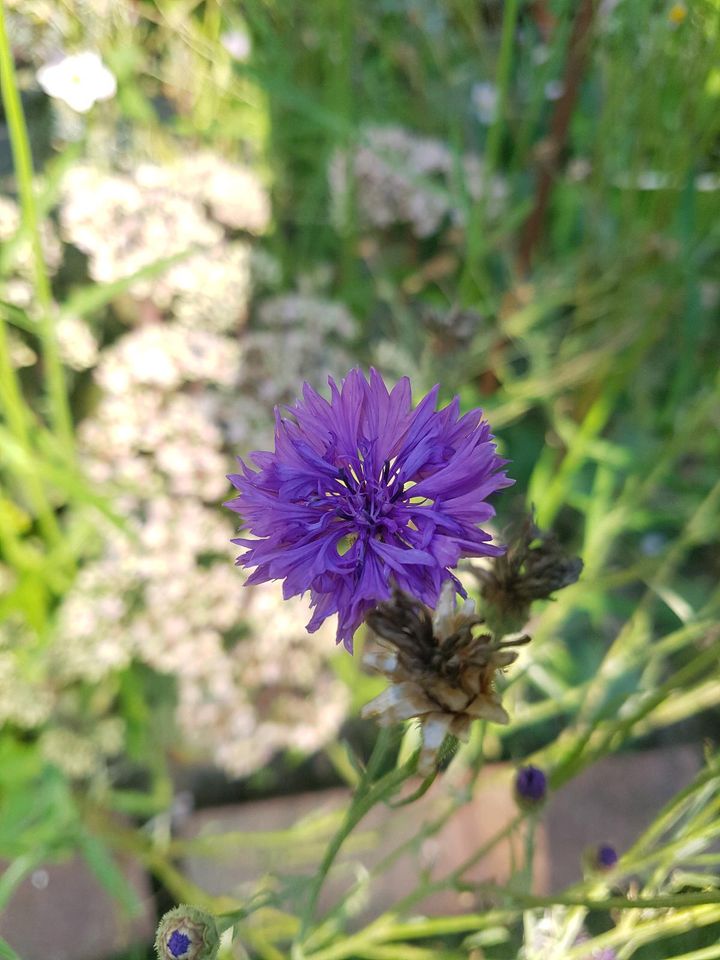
[549,150]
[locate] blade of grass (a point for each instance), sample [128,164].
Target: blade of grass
[16,415]
[59,404]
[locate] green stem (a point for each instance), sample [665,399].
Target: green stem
[367,795]
[476,230]
[587,721]
[387,931]
[652,929]
[671,812]
[7,952]
[502,82]
[674,901]
[16,416]
[454,877]
[22,158]
[526,875]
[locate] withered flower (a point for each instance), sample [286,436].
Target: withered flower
[438,670]
[534,567]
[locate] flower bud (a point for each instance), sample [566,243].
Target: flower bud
[530,787]
[606,856]
[600,859]
[187,933]
[534,567]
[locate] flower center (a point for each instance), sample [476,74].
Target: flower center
[178,943]
[365,500]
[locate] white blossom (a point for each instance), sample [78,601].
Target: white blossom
[485,100]
[79,80]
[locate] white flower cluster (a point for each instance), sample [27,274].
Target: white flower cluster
[172,397]
[551,934]
[76,342]
[269,690]
[70,735]
[233,192]
[297,338]
[16,280]
[128,222]
[397,178]
[27,697]
[147,436]
[251,681]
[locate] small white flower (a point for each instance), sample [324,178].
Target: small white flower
[238,44]
[652,180]
[707,182]
[79,80]
[485,100]
[554,90]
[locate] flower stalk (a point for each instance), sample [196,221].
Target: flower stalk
[368,794]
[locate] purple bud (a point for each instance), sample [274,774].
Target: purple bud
[187,933]
[530,786]
[178,943]
[606,856]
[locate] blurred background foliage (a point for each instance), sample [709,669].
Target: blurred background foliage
[517,200]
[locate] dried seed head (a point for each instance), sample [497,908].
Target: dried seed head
[439,671]
[534,567]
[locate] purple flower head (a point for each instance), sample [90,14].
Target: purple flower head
[530,786]
[362,490]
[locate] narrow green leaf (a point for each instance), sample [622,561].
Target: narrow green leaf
[7,952]
[108,873]
[88,299]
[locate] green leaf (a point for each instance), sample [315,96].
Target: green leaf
[52,466]
[88,299]
[108,873]
[14,874]
[7,952]
[19,317]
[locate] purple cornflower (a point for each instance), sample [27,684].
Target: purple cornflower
[362,490]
